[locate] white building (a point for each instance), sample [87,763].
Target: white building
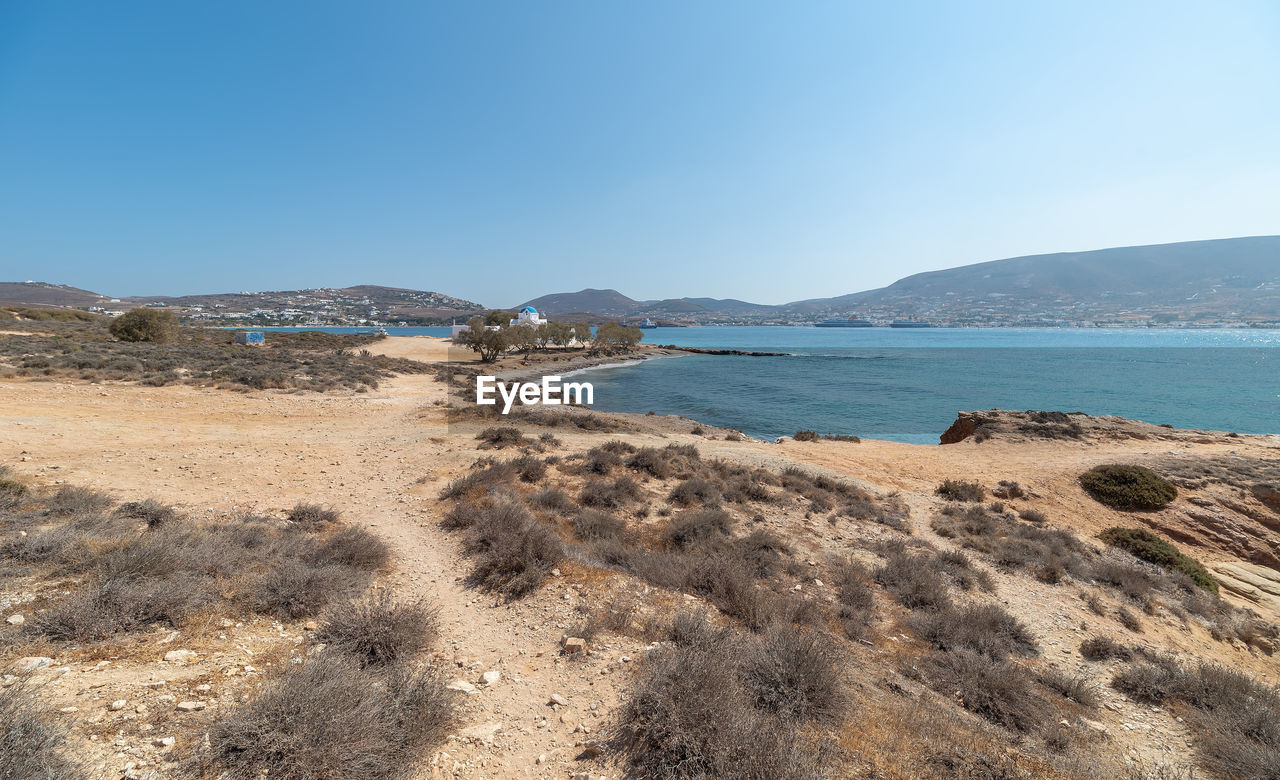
[529,316]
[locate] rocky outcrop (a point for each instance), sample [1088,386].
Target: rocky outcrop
[1032,425]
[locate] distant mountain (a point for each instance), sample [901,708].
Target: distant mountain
[44,294]
[608,302]
[1234,277]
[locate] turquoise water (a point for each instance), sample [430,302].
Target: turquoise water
[907,385]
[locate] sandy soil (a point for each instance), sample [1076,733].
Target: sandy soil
[381,458]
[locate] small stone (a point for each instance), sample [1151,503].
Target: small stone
[541,759]
[558,699]
[118,705]
[574,645]
[461,685]
[164,742]
[191,706]
[69,709]
[32,662]
[155,684]
[15,620]
[490,677]
[204,688]
[180,656]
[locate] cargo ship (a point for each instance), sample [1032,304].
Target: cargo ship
[847,322]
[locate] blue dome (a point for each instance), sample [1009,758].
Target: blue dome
[528,310]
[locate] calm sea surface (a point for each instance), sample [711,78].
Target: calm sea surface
[907,385]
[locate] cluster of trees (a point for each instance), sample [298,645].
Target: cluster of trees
[493,334]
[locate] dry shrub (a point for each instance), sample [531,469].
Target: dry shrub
[694,490]
[330,718]
[854,595]
[72,500]
[354,548]
[955,490]
[996,690]
[486,476]
[292,589]
[1129,620]
[499,437]
[981,628]
[1047,554]
[796,673]
[552,499]
[33,742]
[377,630]
[692,715]
[514,552]
[606,494]
[591,525]
[1078,688]
[154,513]
[529,468]
[312,515]
[690,528]
[1102,648]
[1236,719]
[912,580]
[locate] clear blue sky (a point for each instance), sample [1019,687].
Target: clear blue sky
[502,150]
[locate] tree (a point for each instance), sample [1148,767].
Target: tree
[522,337]
[612,335]
[499,317]
[146,324]
[489,344]
[558,333]
[581,333]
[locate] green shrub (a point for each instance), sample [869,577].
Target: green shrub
[1128,488]
[1151,548]
[143,324]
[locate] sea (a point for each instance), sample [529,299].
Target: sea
[908,384]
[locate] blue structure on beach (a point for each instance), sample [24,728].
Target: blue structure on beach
[251,338]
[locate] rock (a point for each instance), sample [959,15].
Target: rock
[180,656]
[32,662]
[155,684]
[461,685]
[15,620]
[190,706]
[167,698]
[164,742]
[490,677]
[69,710]
[573,645]
[204,688]
[558,699]
[1094,726]
[118,705]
